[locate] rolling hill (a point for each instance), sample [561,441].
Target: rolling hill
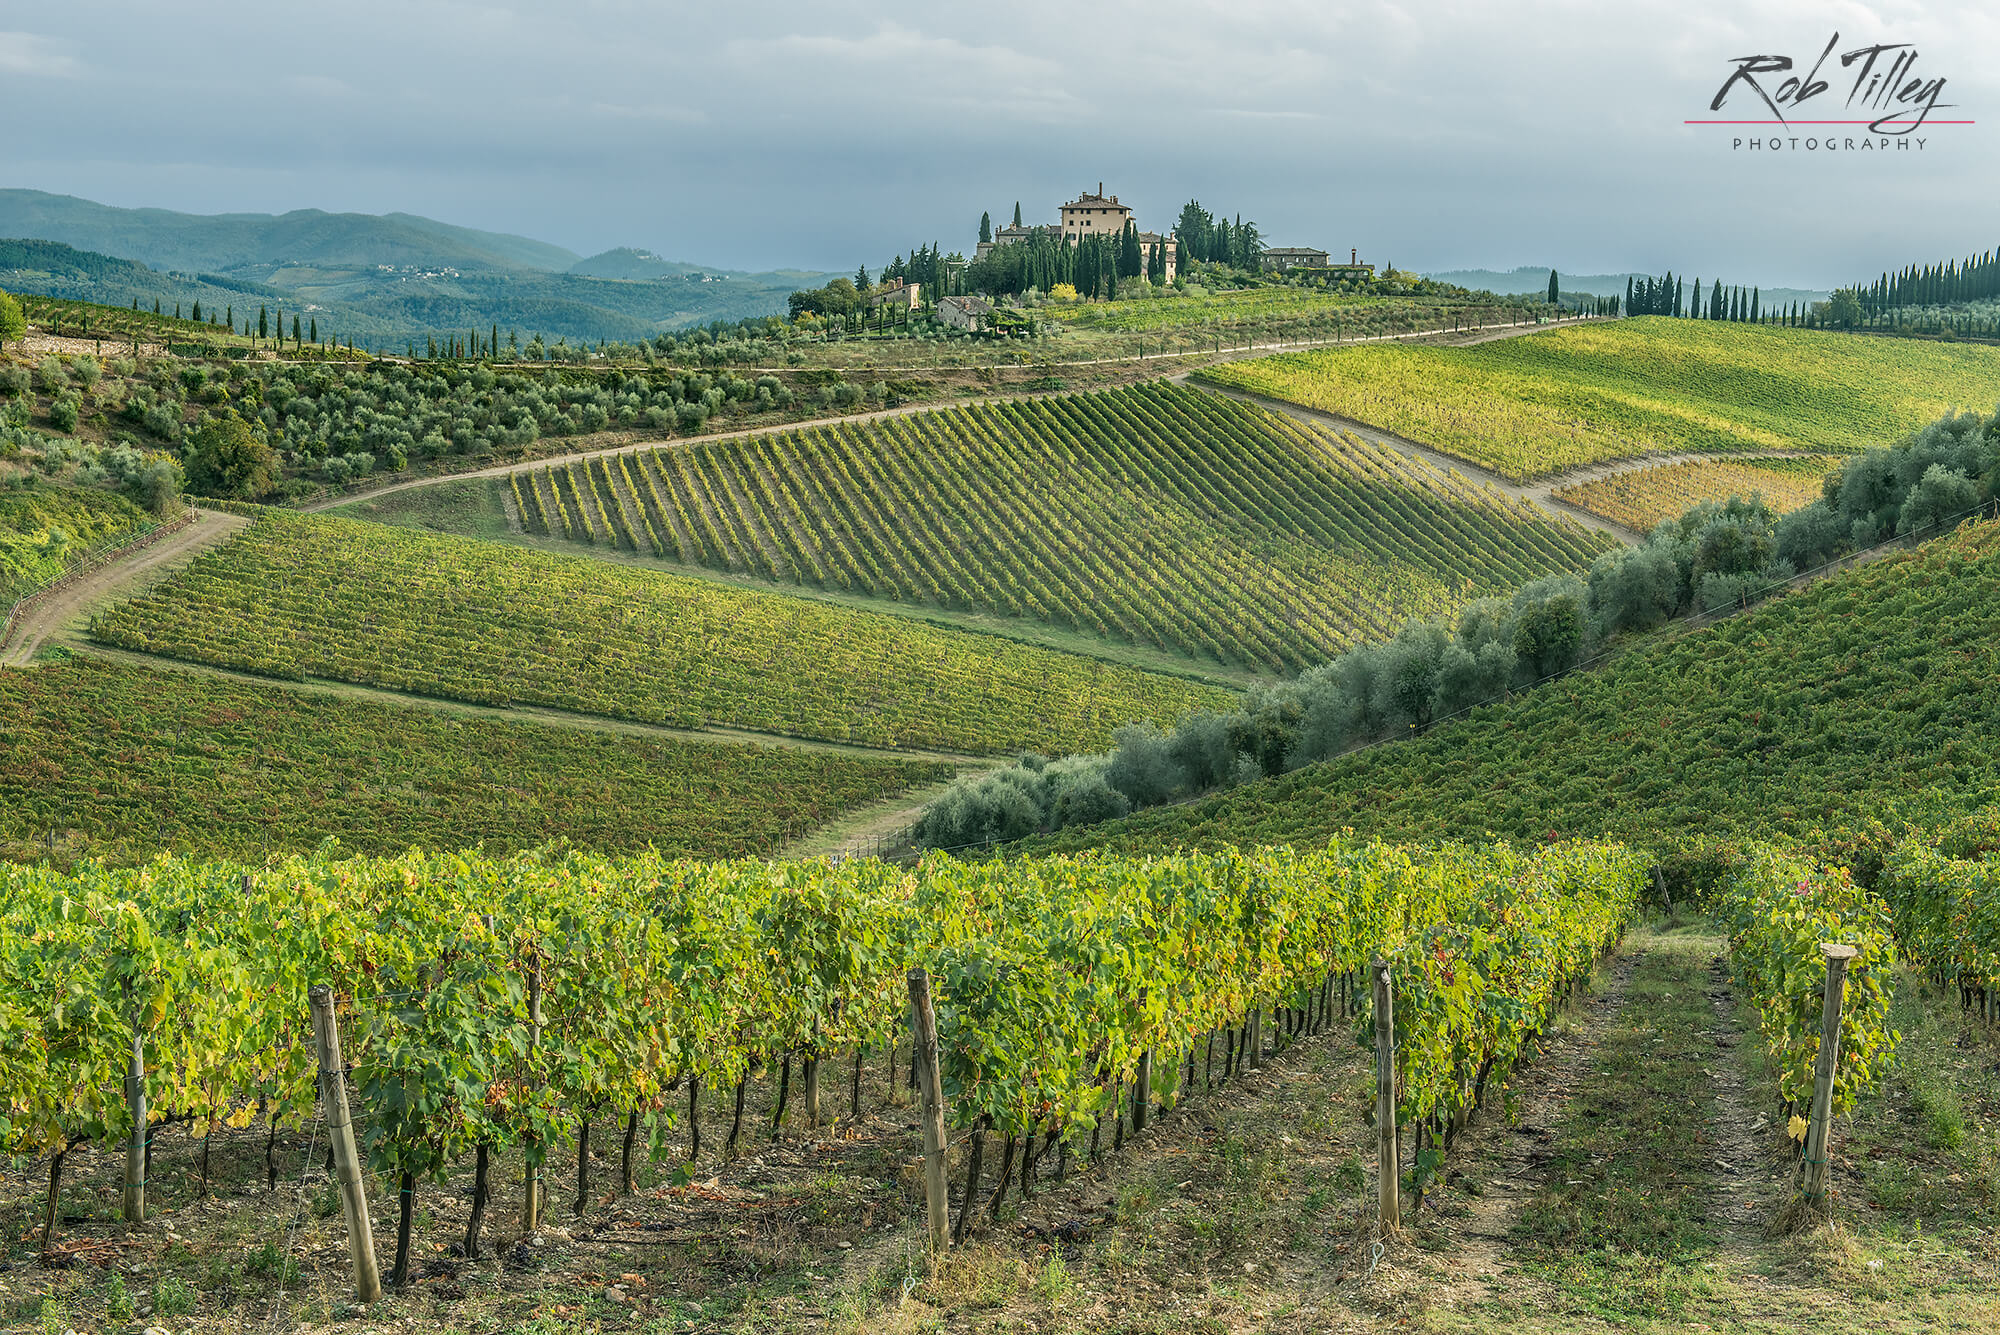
[1829,715]
[1157,515]
[381,280]
[1530,407]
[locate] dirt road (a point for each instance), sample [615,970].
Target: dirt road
[120,578]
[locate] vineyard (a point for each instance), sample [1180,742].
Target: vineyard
[44,529]
[1828,716]
[502,1004]
[1530,407]
[1643,497]
[107,761]
[1278,314]
[297,596]
[1157,515]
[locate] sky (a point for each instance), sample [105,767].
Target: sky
[822,135]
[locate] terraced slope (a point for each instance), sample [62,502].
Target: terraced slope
[298,596]
[1643,497]
[123,762]
[1867,699]
[1157,515]
[1529,407]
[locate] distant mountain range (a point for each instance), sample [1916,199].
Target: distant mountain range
[380,280]
[1530,279]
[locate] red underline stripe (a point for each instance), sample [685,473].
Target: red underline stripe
[1928,122]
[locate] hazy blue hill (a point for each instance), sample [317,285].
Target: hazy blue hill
[220,242]
[1531,278]
[385,311]
[56,270]
[382,281]
[626,262]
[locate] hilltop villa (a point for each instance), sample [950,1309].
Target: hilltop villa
[1090,214]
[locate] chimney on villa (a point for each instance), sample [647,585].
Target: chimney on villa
[1354,254]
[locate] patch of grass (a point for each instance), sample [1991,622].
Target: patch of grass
[1620,1220]
[1922,1142]
[172,1297]
[471,506]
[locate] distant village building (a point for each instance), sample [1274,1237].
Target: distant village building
[1282,258]
[1089,214]
[967,313]
[897,295]
[1314,263]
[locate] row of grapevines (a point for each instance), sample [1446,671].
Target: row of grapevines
[313,596]
[1155,514]
[1778,908]
[1052,977]
[1947,912]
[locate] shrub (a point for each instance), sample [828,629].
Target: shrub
[15,382]
[63,412]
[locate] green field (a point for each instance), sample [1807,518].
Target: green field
[1156,515]
[1868,699]
[298,596]
[123,762]
[1528,407]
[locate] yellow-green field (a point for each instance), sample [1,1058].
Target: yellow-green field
[1645,496]
[1529,407]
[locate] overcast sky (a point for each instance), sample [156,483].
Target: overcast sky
[823,134]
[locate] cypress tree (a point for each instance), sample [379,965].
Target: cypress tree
[1630,309]
[1555,288]
[197,312]
[985,226]
[263,323]
[1017,213]
[295,330]
[1753,305]
[1694,306]
[315,329]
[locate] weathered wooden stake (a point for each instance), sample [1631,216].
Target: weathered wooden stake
[1142,1092]
[1388,1162]
[346,1160]
[1815,1190]
[135,1098]
[531,1187]
[811,1075]
[924,1053]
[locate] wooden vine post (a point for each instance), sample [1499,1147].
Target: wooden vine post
[346,1160]
[135,1098]
[1815,1190]
[1388,1165]
[531,1188]
[937,1207]
[1142,1084]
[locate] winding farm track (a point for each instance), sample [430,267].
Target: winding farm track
[118,578]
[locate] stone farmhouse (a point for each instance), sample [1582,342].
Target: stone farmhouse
[1307,260]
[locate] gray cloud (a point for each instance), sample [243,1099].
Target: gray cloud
[826,134]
